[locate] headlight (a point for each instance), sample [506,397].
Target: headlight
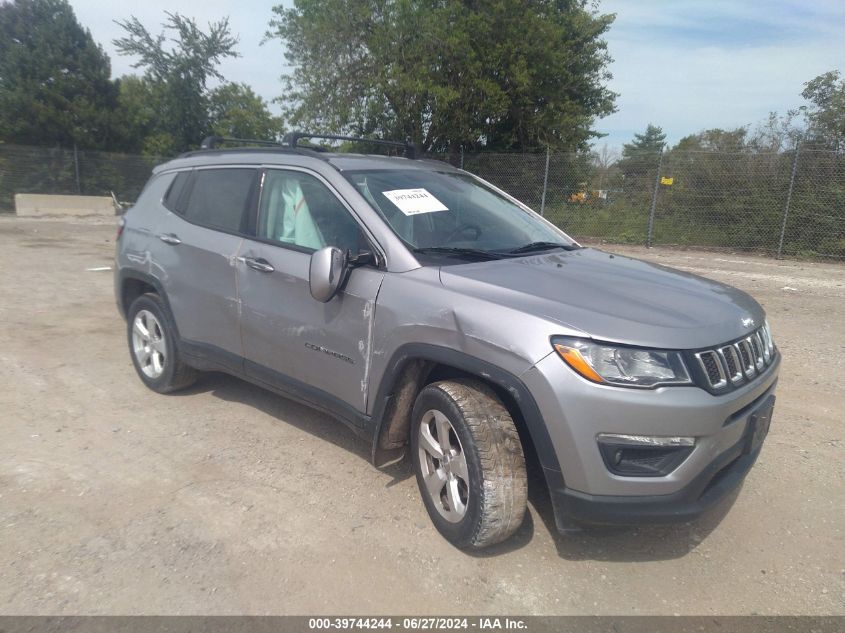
[623,366]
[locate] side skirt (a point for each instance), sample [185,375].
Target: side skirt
[211,358]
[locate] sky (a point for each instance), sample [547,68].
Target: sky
[684,65]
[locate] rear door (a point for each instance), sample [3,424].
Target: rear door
[202,237]
[321,350]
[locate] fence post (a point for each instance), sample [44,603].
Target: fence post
[545,184]
[462,156]
[788,199]
[654,201]
[76,168]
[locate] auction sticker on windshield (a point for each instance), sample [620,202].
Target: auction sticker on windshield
[415,201]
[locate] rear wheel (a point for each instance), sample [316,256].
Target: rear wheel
[153,346]
[469,463]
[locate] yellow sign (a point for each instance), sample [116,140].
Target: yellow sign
[667,181]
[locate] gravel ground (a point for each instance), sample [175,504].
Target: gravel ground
[227,499]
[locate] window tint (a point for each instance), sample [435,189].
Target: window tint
[219,198]
[298,209]
[177,187]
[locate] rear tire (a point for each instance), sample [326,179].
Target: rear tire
[469,463]
[154,348]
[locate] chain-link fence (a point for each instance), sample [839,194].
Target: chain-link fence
[48,170]
[789,203]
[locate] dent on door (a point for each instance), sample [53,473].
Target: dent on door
[322,346]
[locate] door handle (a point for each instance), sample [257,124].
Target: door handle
[169,238]
[260,264]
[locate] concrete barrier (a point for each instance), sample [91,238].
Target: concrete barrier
[39,205]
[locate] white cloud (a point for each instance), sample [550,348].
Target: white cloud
[688,66]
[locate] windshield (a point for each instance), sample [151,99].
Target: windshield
[454,214]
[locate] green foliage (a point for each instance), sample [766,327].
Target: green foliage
[237,112]
[637,156]
[138,108]
[177,70]
[826,116]
[55,85]
[446,73]
[638,164]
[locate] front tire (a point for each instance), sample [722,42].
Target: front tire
[469,463]
[153,346]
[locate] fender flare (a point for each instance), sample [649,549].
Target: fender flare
[126,274]
[534,422]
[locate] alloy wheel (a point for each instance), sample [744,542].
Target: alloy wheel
[148,344]
[444,465]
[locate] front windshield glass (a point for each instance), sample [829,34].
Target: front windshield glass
[447,211]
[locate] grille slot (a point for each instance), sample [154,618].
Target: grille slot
[757,346]
[713,369]
[767,344]
[731,358]
[747,357]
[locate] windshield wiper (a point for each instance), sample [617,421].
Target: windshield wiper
[458,251]
[541,246]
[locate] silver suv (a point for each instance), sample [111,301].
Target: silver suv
[434,314]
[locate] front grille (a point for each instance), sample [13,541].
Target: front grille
[738,362]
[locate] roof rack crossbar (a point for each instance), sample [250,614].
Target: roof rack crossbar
[211,142]
[292,139]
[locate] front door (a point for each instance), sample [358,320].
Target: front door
[320,350]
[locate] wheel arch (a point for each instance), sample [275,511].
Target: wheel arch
[415,365]
[133,283]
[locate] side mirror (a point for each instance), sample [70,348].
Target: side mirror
[327,272]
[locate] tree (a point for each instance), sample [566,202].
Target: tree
[235,111]
[714,140]
[652,140]
[826,116]
[55,81]
[138,112]
[776,134]
[639,157]
[604,162]
[447,73]
[178,69]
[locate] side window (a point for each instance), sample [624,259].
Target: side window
[298,209]
[177,188]
[219,198]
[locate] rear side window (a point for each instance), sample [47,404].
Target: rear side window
[175,192]
[219,198]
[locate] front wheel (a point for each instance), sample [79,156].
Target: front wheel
[469,463]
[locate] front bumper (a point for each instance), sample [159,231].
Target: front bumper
[583,490]
[721,477]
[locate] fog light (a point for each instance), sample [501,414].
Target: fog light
[643,455]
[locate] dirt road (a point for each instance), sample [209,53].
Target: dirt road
[227,499]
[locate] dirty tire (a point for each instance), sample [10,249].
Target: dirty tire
[497,486]
[176,374]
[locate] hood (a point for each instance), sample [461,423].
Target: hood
[612,297]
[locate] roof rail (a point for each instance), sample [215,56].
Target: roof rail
[292,139]
[212,142]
